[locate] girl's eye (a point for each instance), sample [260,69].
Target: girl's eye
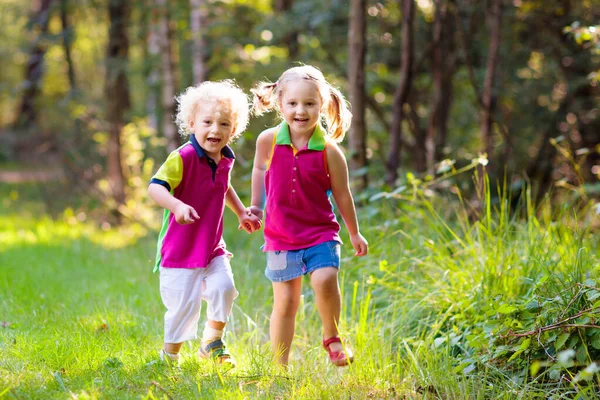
[207,121]
[225,124]
[292,103]
[310,104]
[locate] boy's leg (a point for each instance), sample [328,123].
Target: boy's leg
[286,299]
[219,292]
[180,291]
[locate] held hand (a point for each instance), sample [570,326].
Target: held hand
[256,210]
[360,244]
[185,214]
[249,222]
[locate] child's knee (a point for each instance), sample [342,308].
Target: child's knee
[225,292]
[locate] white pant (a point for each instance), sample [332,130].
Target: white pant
[182,291]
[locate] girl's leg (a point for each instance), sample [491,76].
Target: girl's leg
[286,299]
[327,294]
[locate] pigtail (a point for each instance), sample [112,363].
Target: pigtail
[264,98]
[337,115]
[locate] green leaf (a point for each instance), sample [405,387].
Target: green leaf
[525,344]
[506,309]
[469,369]
[516,354]
[560,342]
[535,367]
[595,342]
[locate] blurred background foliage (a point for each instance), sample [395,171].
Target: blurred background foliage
[512,82]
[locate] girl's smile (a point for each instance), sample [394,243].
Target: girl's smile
[301,106]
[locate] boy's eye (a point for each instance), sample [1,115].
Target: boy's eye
[310,104]
[225,123]
[292,103]
[206,121]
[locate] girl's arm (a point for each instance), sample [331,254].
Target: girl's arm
[340,188]
[264,144]
[184,214]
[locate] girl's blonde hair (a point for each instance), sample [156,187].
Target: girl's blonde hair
[336,112]
[226,94]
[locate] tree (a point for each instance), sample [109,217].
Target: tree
[402,91]
[116,92]
[168,75]
[356,77]
[27,114]
[489,94]
[68,43]
[281,7]
[198,27]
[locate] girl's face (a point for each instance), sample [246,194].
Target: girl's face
[301,106]
[213,127]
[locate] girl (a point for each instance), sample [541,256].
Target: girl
[298,164]
[193,187]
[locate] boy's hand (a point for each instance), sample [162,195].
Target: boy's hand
[360,244]
[249,222]
[256,210]
[185,214]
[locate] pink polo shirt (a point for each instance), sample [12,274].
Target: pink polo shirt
[192,177]
[299,213]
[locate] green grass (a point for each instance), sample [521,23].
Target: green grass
[81,315]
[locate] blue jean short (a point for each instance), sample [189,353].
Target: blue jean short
[283,266]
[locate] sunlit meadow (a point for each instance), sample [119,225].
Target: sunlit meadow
[441,308]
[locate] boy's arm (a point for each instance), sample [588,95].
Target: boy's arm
[340,188]
[264,143]
[248,222]
[183,213]
[233,201]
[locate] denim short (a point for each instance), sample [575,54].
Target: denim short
[285,265]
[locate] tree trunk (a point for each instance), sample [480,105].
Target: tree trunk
[356,77]
[152,71]
[198,26]
[436,96]
[489,97]
[27,114]
[489,94]
[168,76]
[116,92]
[443,68]
[291,38]
[67,42]
[402,91]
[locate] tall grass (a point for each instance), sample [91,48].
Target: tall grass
[429,313]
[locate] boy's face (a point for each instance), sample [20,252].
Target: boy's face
[213,126]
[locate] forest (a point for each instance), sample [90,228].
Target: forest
[474,159]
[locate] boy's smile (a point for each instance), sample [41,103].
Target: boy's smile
[213,127]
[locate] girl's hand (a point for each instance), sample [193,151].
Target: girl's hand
[249,222]
[256,210]
[185,214]
[360,244]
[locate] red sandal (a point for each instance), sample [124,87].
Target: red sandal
[338,358]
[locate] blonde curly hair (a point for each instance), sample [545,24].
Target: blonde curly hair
[224,93]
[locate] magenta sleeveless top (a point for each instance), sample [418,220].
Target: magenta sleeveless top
[298,211]
[195,245]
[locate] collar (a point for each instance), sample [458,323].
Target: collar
[316,141]
[227,152]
